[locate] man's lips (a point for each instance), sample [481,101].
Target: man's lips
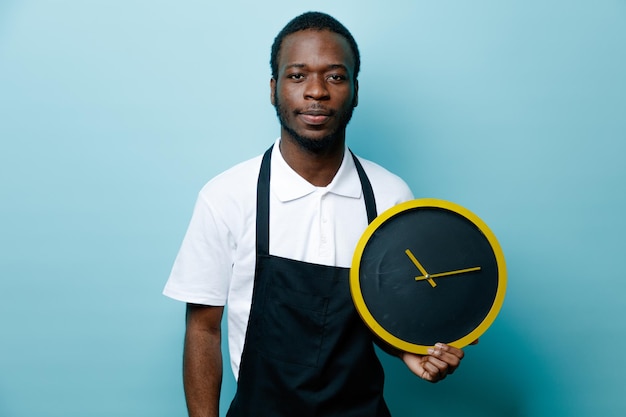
[315,117]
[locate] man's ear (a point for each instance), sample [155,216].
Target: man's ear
[273,91]
[355,101]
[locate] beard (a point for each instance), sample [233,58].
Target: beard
[309,143]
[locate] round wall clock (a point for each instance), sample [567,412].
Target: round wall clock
[428,271]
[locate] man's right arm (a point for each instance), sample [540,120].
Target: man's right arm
[202,360]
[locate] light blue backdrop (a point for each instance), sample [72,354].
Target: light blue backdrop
[113,114]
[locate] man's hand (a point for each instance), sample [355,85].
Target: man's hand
[441,361]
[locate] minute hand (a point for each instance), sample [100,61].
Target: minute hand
[445,274]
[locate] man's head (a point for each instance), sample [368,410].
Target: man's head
[315,62]
[314,21]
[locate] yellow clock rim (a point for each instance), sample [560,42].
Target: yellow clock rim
[357,295]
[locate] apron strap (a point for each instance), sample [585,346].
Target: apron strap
[263,201]
[263,206]
[368,193]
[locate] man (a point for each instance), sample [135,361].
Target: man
[273,238]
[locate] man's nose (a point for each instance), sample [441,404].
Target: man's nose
[316,88]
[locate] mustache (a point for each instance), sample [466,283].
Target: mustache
[315,109]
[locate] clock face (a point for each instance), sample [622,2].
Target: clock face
[428,271]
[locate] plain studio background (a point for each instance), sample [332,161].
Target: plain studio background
[113,114]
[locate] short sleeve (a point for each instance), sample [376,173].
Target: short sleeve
[203,268]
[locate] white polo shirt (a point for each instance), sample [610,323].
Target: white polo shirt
[322,225]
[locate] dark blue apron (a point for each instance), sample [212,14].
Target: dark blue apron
[306,352]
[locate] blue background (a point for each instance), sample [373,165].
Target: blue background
[113,114]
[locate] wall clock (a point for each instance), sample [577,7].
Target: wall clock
[428,271]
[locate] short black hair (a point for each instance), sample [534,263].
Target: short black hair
[315,21]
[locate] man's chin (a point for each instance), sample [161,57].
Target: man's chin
[313,143]
[316,144]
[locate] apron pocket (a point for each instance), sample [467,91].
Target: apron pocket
[293,326]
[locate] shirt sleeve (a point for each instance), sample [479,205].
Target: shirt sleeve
[203,268]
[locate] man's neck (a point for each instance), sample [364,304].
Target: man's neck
[317,167]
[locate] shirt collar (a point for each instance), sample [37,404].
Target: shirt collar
[288,185]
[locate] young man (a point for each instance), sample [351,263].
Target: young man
[273,239]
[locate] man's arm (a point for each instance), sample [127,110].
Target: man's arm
[202,360]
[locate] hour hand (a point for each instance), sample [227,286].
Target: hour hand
[419,266]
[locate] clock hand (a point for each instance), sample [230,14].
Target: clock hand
[429,277]
[421,268]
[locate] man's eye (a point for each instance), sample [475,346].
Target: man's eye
[337,77]
[296,77]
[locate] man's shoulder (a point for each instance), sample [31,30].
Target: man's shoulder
[377,170]
[378,173]
[389,189]
[239,177]
[232,193]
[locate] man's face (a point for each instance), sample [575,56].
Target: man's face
[315,92]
